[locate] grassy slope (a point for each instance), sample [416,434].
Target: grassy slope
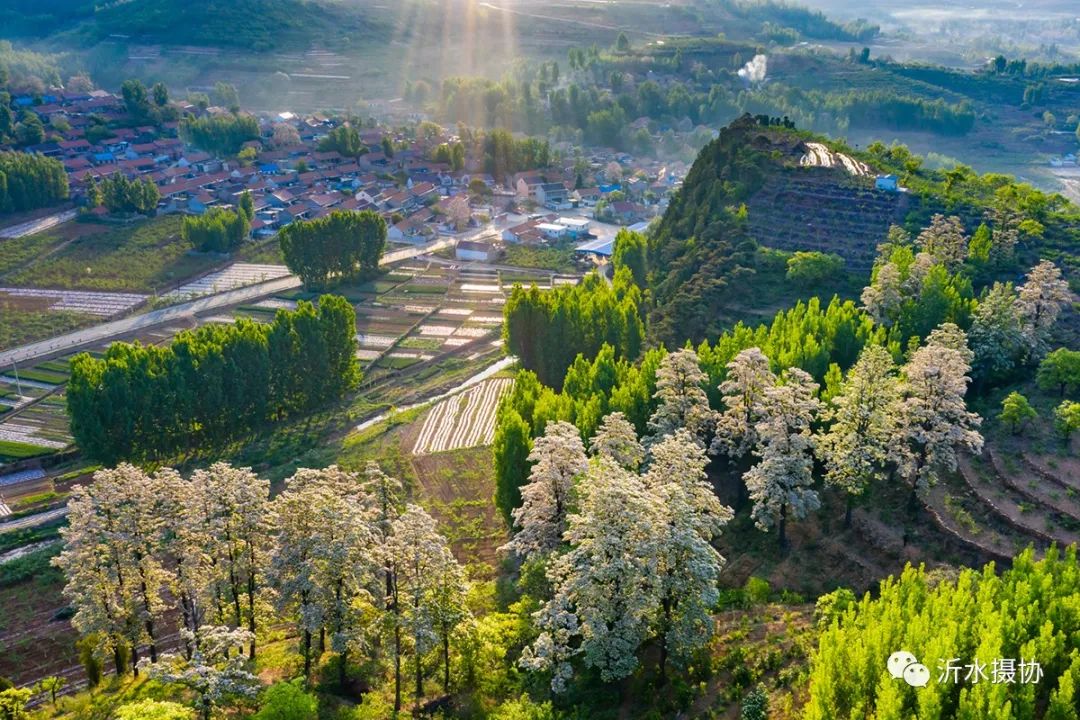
[146,256]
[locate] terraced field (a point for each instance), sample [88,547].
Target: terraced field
[462,421]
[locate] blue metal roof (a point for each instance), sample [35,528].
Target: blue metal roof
[600,246]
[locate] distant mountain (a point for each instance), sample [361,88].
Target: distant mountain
[258,25]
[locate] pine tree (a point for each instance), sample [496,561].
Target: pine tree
[857,444]
[1015,411]
[997,336]
[748,380]
[557,457]
[780,484]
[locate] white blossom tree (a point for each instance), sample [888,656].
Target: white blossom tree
[883,297]
[605,587]
[113,546]
[856,446]
[687,565]
[997,334]
[233,503]
[421,562]
[617,440]
[748,379]
[945,240]
[780,484]
[934,420]
[1041,299]
[214,672]
[557,457]
[680,395]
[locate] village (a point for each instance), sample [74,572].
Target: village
[394,173]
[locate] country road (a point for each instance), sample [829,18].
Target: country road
[99,333]
[36,226]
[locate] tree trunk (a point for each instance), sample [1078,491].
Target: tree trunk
[251,598]
[397,669]
[913,498]
[307,654]
[342,675]
[783,526]
[662,663]
[847,513]
[118,661]
[446,661]
[134,660]
[419,676]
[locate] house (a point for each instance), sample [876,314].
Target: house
[575,227]
[553,195]
[475,251]
[887,183]
[553,231]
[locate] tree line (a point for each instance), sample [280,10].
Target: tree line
[219,229]
[30,181]
[340,246]
[337,555]
[122,196]
[546,329]
[219,134]
[213,384]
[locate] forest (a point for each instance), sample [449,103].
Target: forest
[211,385]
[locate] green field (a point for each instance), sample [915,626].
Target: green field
[10,450]
[22,327]
[148,256]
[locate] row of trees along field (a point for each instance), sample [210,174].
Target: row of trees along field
[337,556]
[545,330]
[213,384]
[341,246]
[122,196]
[29,181]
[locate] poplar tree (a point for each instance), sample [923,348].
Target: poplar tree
[781,482]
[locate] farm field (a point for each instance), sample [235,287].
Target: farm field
[462,421]
[147,256]
[235,276]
